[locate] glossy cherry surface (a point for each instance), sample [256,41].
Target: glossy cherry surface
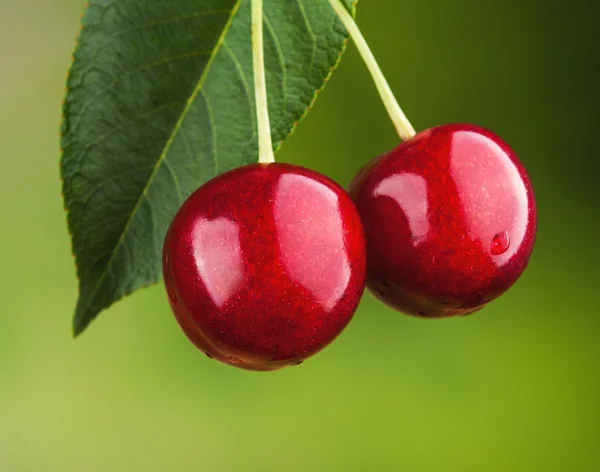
[449,218]
[265,265]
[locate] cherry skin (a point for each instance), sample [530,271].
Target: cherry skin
[450,221]
[265,265]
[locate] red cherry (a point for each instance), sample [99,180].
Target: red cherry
[265,265]
[449,218]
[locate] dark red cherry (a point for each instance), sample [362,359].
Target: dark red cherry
[265,265]
[449,218]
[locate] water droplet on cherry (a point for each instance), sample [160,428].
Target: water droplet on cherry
[500,243]
[234,360]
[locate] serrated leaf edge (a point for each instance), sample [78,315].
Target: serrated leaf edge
[320,89]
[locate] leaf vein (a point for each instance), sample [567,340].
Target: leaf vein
[131,73]
[155,242]
[153,24]
[213,132]
[121,127]
[99,186]
[281,58]
[310,32]
[171,171]
[244,79]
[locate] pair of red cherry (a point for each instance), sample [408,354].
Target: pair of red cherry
[265,265]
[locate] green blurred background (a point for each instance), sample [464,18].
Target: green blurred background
[514,388]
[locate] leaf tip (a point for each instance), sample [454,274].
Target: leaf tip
[80,323]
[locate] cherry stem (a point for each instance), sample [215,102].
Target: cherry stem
[401,123]
[265,144]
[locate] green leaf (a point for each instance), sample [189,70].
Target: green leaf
[160,100]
